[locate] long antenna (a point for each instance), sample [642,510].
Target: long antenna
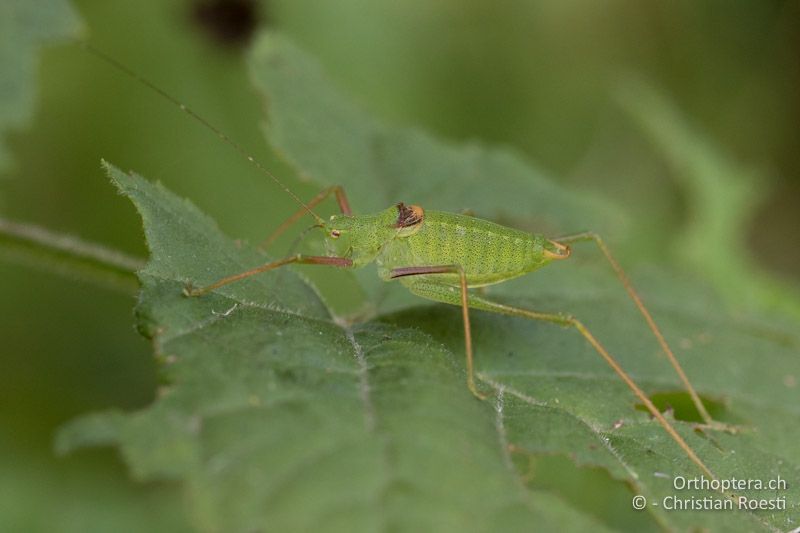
[210,127]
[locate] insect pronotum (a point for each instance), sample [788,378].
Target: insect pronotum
[438,256]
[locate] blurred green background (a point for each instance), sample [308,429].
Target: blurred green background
[650,104]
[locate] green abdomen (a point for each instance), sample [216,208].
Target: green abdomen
[488,252]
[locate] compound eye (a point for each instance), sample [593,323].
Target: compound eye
[335,233]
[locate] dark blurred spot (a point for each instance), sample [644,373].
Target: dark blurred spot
[231,23]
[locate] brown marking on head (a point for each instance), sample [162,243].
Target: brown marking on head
[408,215]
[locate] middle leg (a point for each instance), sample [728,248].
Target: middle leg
[462,301]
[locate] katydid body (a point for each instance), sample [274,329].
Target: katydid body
[487,252]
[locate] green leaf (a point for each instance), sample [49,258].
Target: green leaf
[24,26]
[723,197]
[276,415]
[329,140]
[269,411]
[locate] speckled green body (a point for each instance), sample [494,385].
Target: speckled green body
[487,252]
